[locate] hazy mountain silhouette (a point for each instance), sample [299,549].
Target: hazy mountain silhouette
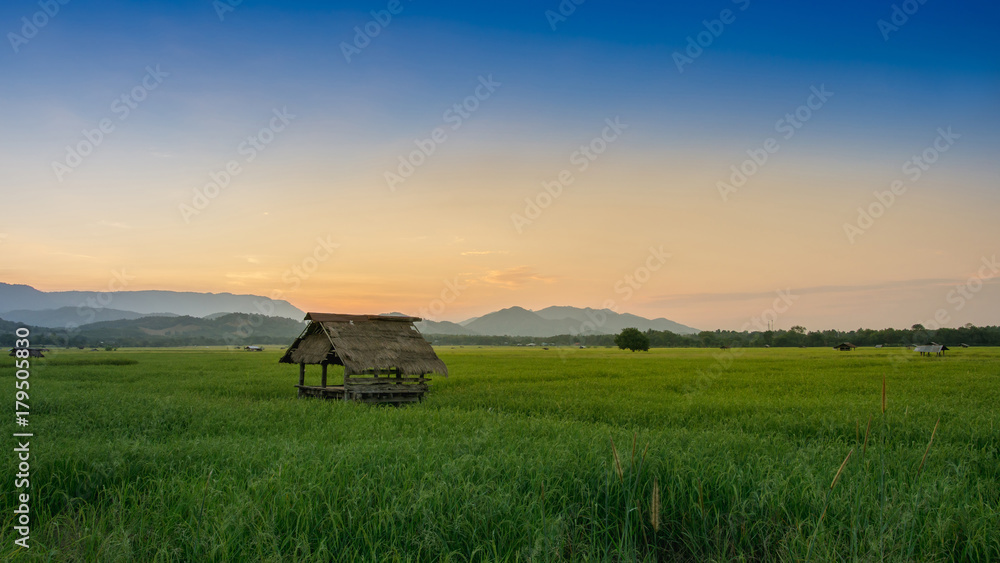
[23,298]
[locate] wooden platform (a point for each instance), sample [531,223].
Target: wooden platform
[368,389]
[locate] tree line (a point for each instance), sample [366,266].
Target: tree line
[795,337]
[792,338]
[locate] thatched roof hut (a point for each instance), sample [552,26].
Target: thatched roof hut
[362,343]
[32,352]
[845,347]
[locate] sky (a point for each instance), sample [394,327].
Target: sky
[824,164]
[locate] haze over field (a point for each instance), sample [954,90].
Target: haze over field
[829,166]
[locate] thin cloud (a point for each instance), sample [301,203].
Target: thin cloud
[247,275]
[514,278]
[115,225]
[483,252]
[928,283]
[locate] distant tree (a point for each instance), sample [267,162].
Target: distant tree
[798,329]
[917,326]
[632,339]
[707,338]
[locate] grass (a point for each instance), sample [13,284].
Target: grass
[522,454]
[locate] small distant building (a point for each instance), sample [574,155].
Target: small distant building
[385,358]
[254,348]
[932,349]
[845,347]
[32,352]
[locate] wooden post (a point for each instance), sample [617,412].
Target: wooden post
[302,376]
[345,383]
[324,376]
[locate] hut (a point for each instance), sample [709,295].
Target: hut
[385,358]
[32,352]
[845,347]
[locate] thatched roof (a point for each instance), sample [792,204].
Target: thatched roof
[364,342]
[32,352]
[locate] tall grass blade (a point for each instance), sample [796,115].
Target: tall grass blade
[654,506]
[933,432]
[826,503]
[618,463]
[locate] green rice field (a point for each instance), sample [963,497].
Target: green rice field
[522,454]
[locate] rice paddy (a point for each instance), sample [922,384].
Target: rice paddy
[521,455]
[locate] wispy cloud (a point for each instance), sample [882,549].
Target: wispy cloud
[514,278]
[247,275]
[890,286]
[114,225]
[484,252]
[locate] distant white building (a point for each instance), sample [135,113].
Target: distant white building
[928,349]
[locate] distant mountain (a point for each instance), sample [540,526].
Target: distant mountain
[442,327]
[610,322]
[232,328]
[216,315]
[26,298]
[517,321]
[551,321]
[434,327]
[68,316]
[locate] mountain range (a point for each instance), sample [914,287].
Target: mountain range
[23,303]
[551,321]
[69,309]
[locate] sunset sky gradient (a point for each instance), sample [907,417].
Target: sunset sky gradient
[454,222]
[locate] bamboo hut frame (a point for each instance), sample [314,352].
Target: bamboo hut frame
[385,358]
